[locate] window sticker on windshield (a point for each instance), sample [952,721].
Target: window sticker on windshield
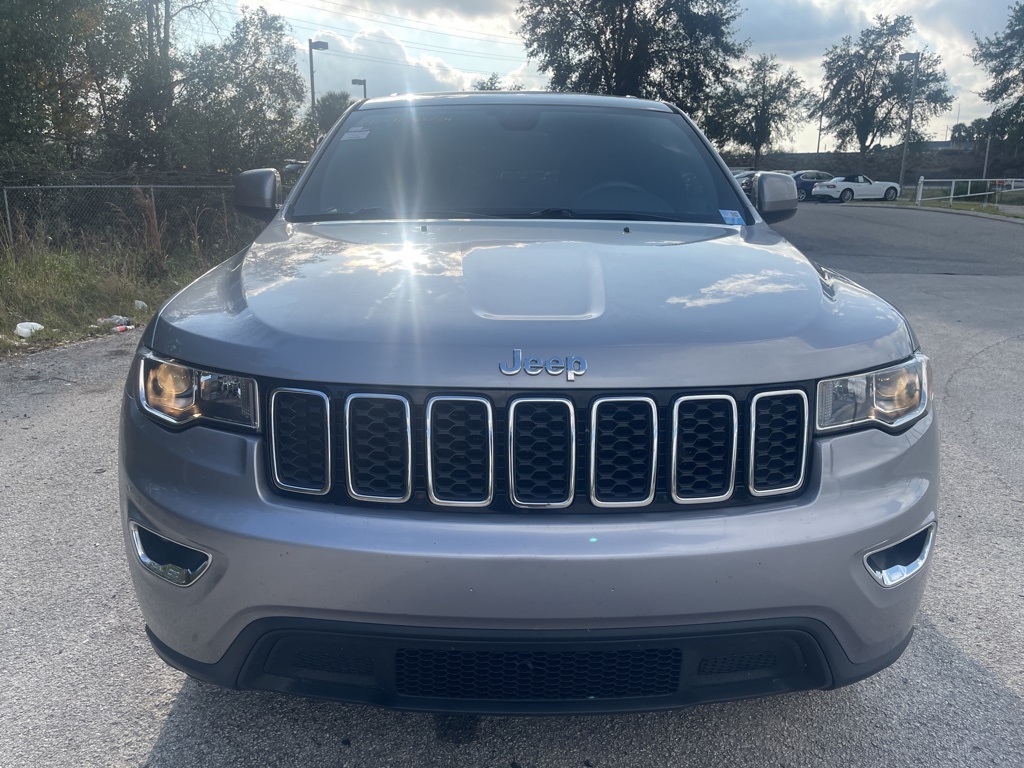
[732,217]
[356,133]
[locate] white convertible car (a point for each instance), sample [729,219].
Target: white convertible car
[847,188]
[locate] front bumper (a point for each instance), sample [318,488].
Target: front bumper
[775,576]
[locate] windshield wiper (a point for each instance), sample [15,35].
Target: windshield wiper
[362,213]
[572,213]
[633,216]
[552,213]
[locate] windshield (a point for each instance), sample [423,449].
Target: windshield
[518,161]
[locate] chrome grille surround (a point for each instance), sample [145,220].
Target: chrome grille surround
[653,454]
[429,446]
[455,454]
[556,503]
[350,468]
[752,446]
[674,465]
[275,455]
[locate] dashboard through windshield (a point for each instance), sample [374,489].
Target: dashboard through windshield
[516,161]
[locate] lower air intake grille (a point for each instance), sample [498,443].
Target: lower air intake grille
[537,675]
[727,665]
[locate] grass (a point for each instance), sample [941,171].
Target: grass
[67,276]
[942,203]
[67,290]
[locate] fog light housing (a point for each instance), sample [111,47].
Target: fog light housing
[893,564]
[175,563]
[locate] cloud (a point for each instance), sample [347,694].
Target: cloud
[441,45]
[738,286]
[462,8]
[382,60]
[796,30]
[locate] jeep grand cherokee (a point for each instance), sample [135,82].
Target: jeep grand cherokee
[518,405]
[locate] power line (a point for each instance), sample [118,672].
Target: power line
[440,50]
[310,25]
[356,11]
[481,37]
[398,62]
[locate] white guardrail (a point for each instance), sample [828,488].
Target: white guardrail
[987,188]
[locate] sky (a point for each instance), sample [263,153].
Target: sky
[401,46]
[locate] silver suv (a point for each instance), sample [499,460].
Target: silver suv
[517,405]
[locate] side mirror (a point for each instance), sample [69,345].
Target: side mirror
[774,196]
[258,193]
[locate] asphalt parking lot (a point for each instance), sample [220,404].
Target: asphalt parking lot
[80,686]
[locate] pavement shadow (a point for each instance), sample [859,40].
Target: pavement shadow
[934,707]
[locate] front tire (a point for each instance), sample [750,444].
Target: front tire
[846,196]
[890,194]
[801,195]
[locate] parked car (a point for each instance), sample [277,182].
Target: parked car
[805,181]
[478,424]
[859,187]
[746,180]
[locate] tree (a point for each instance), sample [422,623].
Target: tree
[316,123]
[240,100]
[962,132]
[493,83]
[154,79]
[61,75]
[329,108]
[675,50]
[867,90]
[1002,56]
[765,104]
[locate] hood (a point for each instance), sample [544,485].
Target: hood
[445,303]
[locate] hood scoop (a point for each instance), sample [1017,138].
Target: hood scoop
[552,282]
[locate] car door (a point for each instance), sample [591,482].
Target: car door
[869,190]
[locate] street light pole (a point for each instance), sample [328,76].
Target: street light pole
[821,119]
[362,82]
[916,58]
[314,45]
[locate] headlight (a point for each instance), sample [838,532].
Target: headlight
[177,393]
[892,397]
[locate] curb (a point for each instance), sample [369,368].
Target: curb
[953,211]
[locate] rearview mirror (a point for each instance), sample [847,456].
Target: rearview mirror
[774,196]
[258,193]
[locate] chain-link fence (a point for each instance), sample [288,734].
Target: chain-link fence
[158,221]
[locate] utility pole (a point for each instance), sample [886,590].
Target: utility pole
[916,58]
[361,82]
[821,118]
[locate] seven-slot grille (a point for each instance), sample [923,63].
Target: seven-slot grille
[464,450]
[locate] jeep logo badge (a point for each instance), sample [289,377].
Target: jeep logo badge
[554,366]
